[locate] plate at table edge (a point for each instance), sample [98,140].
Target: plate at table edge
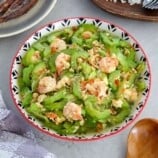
[68,22]
[18,25]
[126,10]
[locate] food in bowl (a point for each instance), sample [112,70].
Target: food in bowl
[80,80]
[11,9]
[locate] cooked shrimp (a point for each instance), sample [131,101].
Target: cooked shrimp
[58,45]
[131,94]
[46,84]
[108,64]
[62,62]
[87,34]
[72,111]
[96,87]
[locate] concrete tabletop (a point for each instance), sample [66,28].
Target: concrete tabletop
[147,35]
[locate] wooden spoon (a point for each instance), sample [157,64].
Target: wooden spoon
[143,139]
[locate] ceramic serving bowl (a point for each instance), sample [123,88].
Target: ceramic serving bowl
[51,27]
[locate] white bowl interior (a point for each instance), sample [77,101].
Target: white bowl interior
[69,23]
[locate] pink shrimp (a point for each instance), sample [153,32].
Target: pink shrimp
[108,64]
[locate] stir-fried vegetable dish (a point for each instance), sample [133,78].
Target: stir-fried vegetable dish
[80,80]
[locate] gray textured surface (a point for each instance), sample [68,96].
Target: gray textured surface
[147,35]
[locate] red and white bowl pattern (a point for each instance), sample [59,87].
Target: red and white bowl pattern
[69,22]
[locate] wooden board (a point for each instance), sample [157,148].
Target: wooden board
[128,11]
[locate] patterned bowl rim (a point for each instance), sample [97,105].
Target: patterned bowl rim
[80,139]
